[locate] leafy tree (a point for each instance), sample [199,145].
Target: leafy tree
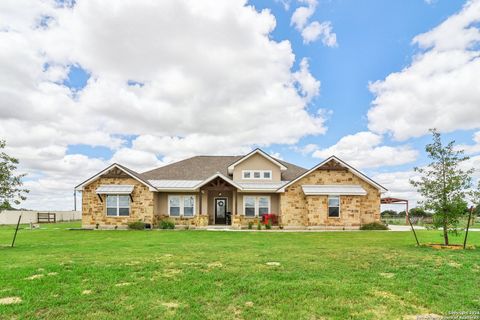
[11,190]
[474,195]
[443,184]
[418,212]
[388,213]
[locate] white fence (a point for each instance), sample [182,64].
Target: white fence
[11,216]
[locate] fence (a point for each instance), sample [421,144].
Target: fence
[11,216]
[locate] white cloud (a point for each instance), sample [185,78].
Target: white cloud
[314,30]
[364,150]
[440,87]
[471,148]
[220,85]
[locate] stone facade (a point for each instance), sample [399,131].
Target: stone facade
[95,211]
[293,207]
[298,210]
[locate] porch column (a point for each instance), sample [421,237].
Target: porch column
[234,202]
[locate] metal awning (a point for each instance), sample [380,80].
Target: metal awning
[333,190]
[114,189]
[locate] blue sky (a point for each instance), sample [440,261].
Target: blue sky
[363,80]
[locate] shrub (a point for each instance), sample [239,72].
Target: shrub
[137,225]
[167,224]
[268,226]
[250,225]
[259,226]
[374,226]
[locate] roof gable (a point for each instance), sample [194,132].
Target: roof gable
[115,170]
[334,163]
[260,152]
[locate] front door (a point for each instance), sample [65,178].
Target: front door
[220,210]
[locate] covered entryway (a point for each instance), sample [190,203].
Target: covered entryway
[220,197]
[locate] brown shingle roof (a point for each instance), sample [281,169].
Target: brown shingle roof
[202,167]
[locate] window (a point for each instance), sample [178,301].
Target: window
[249,206]
[188,206]
[334,206]
[181,206]
[256,206]
[118,205]
[263,205]
[174,206]
[257,174]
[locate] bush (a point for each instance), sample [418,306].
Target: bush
[137,225]
[167,224]
[259,226]
[250,225]
[374,226]
[268,226]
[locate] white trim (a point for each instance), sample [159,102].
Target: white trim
[215,209]
[114,165]
[328,207]
[257,205]
[118,207]
[252,174]
[256,151]
[181,204]
[352,169]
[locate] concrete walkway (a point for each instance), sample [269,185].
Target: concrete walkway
[407,228]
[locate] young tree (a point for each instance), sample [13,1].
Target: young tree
[443,184]
[11,190]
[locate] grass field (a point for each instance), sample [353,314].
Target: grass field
[61,274]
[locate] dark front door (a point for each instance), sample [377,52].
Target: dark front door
[220,210]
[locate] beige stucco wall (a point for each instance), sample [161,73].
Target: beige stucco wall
[306,211]
[256,162]
[274,201]
[94,210]
[161,200]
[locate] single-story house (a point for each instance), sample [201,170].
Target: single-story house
[232,190]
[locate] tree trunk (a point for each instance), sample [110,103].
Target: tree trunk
[445,234]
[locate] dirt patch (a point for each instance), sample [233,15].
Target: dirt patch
[387,275]
[35,276]
[170,305]
[87,292]
[123,284]
[442,246]
[52,273]
[454,264]
[171,273]
[10,300]
[273,264]
[216,264]
[249,304]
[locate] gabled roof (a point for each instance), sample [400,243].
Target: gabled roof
[127,171]
[260,152]
[343,163]
[203,167]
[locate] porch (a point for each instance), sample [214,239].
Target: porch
[218,204]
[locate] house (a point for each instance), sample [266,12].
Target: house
[236,190]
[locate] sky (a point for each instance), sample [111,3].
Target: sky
[145,83]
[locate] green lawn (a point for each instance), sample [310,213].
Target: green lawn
[62,274]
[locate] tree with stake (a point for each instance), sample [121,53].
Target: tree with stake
[443,184]
[11,190]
